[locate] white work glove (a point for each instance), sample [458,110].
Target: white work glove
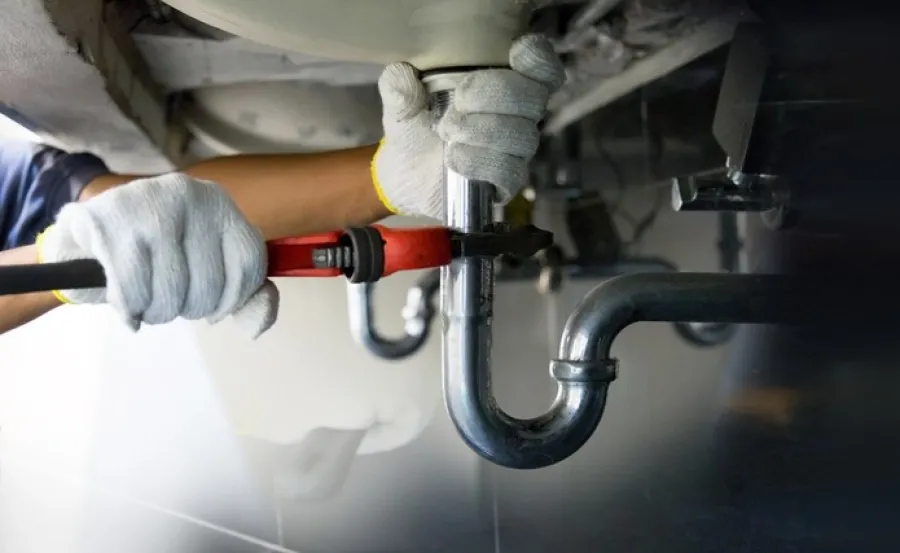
[171,246]
[491,129]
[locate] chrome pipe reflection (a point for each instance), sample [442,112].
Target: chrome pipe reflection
[467,290]
[418,315]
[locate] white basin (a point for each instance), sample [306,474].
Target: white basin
[277,117]
[430,34]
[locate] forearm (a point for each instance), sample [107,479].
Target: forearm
[18,310]
[289,194]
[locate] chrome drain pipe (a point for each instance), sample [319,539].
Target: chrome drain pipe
[584,368]
[467,303]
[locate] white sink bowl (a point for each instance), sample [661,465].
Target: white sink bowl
[430,34]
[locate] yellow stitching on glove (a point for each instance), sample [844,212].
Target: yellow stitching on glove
[378,189]
[40,257]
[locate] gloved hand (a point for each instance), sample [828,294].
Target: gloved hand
[171,246]
[490,128]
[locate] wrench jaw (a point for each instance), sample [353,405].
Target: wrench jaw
[500,239]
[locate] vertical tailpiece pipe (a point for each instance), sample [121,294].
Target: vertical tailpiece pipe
[467,302]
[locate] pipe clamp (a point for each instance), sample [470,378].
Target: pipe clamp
[604,370]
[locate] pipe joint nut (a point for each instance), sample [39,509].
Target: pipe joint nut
[604,370]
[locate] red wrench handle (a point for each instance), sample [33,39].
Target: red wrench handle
[293,257]
[386,251]
[416,248]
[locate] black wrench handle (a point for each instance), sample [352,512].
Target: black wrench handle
[46,277]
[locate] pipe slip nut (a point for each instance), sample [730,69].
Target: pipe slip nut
[603,370]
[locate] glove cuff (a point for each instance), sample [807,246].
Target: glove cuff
[378,189]
[39,243]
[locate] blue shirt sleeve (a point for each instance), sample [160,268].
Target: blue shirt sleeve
[36,181]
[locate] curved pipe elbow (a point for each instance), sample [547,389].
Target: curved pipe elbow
[674,297]
[495,435]
[584,367]
[530,443]
[418,314]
